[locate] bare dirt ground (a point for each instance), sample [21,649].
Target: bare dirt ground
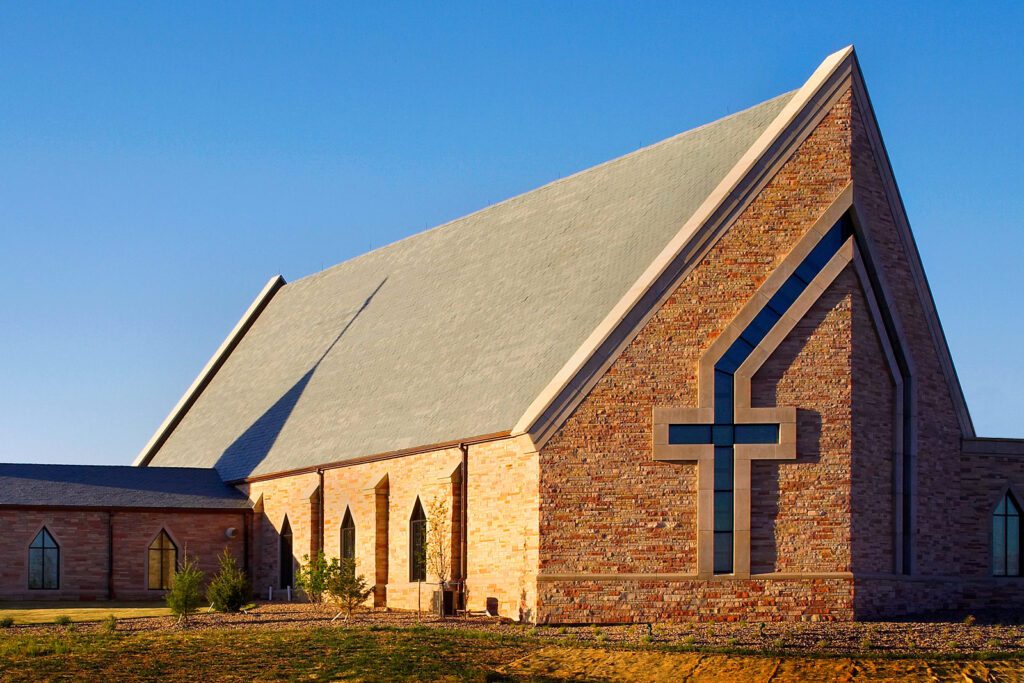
[591,664]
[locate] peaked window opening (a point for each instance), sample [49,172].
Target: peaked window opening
[348,537]
[44,562]
[163,561]
[1006,537]
[287,561]
[418,544]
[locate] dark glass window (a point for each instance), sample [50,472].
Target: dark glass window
[163,560]
[723,509]
[686,434]
[1006,538]
[348,537]
[44,562]
[286,561]
[757,433]
[418,544]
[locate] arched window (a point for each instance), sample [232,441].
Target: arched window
[163,561]
[418,544]
[1006,538]
[286,559]
[43,562]
[348,537]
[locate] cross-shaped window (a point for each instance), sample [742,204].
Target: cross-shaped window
[725,432]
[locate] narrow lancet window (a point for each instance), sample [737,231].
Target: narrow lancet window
[44,562]
[163,561]
[1006,538]
[348,537]
[418,544]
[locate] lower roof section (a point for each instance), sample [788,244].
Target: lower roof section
[116,486]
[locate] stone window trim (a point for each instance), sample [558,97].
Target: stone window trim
[149,544]
[28,563]
[784,416]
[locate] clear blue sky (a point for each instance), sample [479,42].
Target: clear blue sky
[158,162]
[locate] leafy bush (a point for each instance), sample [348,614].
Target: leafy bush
[109,624]
[63,620]
[229,589]
[314,577]
[186,590]
[7,622]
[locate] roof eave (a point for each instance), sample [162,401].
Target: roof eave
[209,370]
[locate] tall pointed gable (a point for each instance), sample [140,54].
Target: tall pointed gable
[451,333]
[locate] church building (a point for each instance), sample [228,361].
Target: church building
[705,380]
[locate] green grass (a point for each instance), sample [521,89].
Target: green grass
[309,654]
[49,613]
[366,653]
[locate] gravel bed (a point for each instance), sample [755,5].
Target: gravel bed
[947,637]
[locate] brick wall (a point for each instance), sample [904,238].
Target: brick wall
[502,540]
[83,537]
[606,507]
[936,550]
[295,497]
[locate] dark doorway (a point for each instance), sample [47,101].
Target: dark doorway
[286,561]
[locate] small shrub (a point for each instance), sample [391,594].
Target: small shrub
[992,644]
[821,644]
[865,643]
[345,587]
[109,624]
[731,642]
[7,622]
[185,595]
[689,640]
[779,644]
[564,631]
[969,620]
[229,589]
[63,620]
[646,638]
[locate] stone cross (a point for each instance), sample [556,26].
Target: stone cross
[725,433]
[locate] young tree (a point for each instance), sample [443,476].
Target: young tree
[347,588]
[315,576]
[439,540]
[229,590]
[186,590]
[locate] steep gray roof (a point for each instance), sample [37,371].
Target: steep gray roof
[107,486]
[453,332]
